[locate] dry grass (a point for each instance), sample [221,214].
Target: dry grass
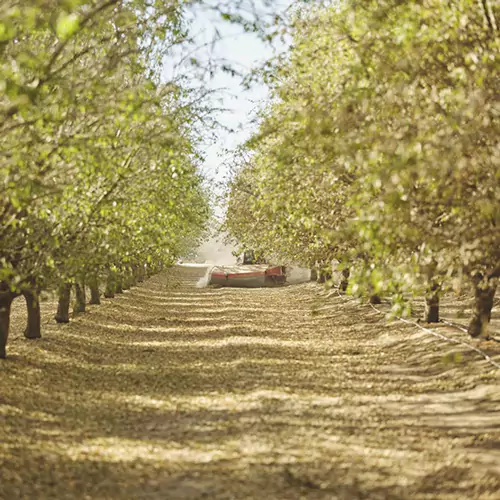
[173,392]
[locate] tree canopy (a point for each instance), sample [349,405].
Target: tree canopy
[380,149]
[99,155]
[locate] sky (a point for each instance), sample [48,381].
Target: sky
[244,51]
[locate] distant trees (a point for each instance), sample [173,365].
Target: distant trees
[98,167]
[380,149]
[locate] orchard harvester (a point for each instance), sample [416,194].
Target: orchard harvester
[247,276]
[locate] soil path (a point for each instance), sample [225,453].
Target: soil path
[175,392]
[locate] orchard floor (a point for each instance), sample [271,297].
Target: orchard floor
[174,392]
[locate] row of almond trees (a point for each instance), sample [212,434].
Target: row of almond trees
[98,162]
[379,149]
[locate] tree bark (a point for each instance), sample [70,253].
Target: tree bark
[345,280]
[431,313]
[432,293]
[484,293]
[6,299]
[34,326]
[140,273]
[80,299]
[131,279]
[62,315]
[324,276]
[109,293]
[95,295]
[118,283]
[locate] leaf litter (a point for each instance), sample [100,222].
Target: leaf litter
[175,392]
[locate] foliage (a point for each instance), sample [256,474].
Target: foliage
[380,146]
[98,162]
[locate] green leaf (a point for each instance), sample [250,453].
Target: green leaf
[67,25]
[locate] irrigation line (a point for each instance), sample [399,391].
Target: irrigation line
[463,328]
[453,324]
[488,358]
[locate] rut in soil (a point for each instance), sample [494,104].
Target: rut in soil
[171,391]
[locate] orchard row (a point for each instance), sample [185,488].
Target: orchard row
[98,155]
[380,149]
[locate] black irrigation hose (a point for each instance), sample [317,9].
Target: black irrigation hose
[461,327]
[488,358]
[458,326]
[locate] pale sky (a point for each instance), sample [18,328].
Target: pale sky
[244,51]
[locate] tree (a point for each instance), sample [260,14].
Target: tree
[379,149]
[99,163]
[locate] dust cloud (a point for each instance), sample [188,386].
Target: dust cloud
[216,253]
[212,252]
[295,275]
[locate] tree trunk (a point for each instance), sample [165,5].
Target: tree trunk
[62,315]
[95,295]
[34,326]
[314,275]
[118,283]
[125,280]
[431,314]
[6,299]
[345,280]
[140,273]
[131,280]
[109,293]
[484,293]
[324,276]
[80,299]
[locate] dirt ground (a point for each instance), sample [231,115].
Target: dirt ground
[174,392]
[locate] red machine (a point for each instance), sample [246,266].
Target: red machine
[247,276]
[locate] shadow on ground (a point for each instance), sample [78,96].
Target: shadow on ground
[174,392]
